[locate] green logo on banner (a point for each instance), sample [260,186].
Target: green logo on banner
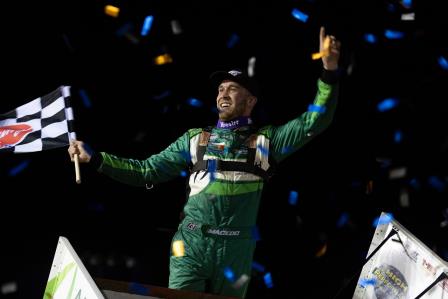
[54,283]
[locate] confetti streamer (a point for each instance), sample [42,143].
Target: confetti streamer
[178,248]
[111,10]
[388,217]
[366,282]
[325,52]
[228,273]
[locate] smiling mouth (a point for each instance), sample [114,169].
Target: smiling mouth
[224,105]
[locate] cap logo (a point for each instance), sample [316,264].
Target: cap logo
[235,73]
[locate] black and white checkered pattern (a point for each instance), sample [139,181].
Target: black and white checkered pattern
[42,124]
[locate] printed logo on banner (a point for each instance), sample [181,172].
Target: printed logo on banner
[13,134]
[430,268]
[402,268]
[391,283]
[411,253]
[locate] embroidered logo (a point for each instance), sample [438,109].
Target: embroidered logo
[234,73]
[192,226]
[223,232]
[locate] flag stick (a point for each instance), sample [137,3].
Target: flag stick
[77,171]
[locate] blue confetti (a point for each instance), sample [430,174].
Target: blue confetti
[268,280]
[436,183]
[19,168]
[443,63]
[301,16]
[407,3]
[139,289]
[234,38]
[414,183]
[287,149]
[387,104]
[85,98]
[183,173]
[164,94]
[228,273]
[393,34]
[263,150]
[316,108]
[293,197]
[398,136]
[147,24]
[370,38]
[366,282]
[255,233]
[343,220]
[258,267]
[194,102]
[387,218]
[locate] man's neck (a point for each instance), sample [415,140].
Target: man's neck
[234,123]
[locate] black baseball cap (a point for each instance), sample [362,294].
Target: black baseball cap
[238,76]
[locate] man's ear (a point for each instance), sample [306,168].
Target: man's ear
[252,101]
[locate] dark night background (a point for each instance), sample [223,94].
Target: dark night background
[136,108]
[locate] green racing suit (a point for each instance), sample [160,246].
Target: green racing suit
[222,206]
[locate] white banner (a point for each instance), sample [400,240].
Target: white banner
[68,277]
[402,268]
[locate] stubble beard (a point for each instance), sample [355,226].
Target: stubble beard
[232,113]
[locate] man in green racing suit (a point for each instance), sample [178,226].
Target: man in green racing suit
[228,166]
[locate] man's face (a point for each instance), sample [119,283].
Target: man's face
[233,101]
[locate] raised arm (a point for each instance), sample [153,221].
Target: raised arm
[288,138]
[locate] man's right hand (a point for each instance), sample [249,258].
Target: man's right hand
[82,149]
[330,61]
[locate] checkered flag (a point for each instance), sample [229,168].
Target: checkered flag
[42,124]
